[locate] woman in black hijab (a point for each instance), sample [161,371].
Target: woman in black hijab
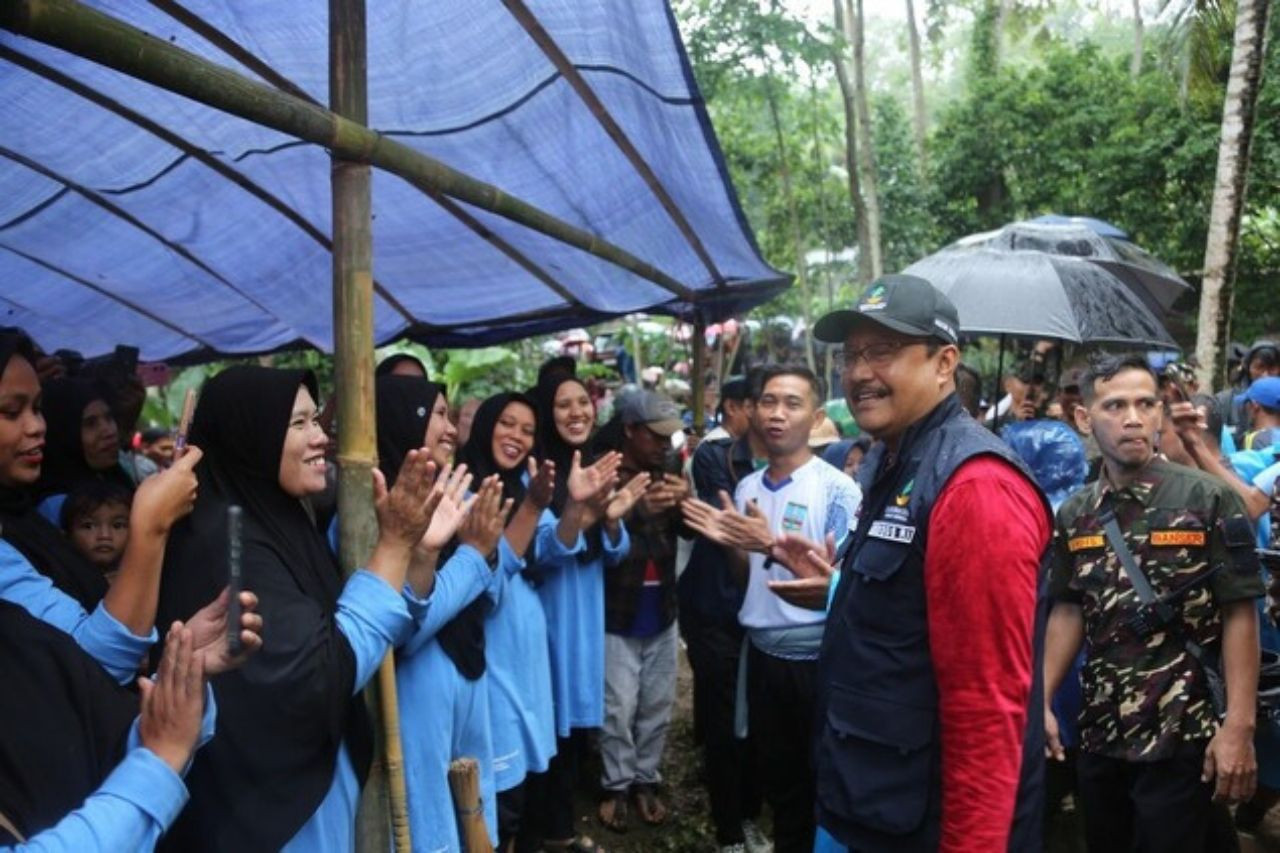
[521,712]
[440,672]
[578,536]
[39,568]
[82,441]
[294,739]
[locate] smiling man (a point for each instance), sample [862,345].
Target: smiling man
[796,494]
[1153,755]
[929,735]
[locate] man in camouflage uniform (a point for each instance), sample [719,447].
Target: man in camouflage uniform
[1153,755]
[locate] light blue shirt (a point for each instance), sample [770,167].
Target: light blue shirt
[373,617]
[572,594]
[131,808]
[443,715]
[518,664]
[101,636]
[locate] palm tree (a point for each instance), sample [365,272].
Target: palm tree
[1214,327]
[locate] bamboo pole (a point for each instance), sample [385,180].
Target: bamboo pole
[464,783]
[86,32]
[699,376]
[357,429]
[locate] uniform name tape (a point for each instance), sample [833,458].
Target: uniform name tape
[1178,538]
[1080,543]
[903,533]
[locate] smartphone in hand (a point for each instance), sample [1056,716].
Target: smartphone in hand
[235,578]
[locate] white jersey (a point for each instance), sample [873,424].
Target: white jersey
[815,500]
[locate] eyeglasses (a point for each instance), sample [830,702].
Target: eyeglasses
[878,355]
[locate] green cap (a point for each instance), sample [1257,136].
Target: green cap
[903,303]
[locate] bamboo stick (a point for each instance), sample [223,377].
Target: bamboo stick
[89,33]
[699,376]
[357,430]
[464,782]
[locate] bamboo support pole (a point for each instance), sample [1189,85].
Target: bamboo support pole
[86,32]
[464,783]
[357,429]
[699,376]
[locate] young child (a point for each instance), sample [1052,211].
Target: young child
[96,517]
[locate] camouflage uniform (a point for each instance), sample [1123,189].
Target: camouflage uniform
[1141,698]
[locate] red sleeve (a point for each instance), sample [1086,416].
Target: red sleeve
[986,534]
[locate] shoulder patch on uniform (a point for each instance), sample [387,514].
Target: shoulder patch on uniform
[1081,543]
[1179,538]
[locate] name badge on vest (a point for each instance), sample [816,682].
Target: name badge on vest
[891,532]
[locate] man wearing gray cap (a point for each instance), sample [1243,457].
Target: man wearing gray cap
[929,728]
[640,615]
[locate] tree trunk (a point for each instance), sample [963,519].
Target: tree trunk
[866,150]
[793,214]
[1135,65]
[1214,327]
[921,118]
[865,273]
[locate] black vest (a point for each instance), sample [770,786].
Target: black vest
[878,752]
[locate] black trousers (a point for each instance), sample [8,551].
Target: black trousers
[713,652]
[1150,807]
[780,697]
[548,797]
[510,815]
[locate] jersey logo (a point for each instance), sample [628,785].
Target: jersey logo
[1080,543]
[793,517]
[1179,538]
[904,497]
[891,532]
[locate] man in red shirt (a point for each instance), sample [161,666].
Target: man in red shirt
[930,728]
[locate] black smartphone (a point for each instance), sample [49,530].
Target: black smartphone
[235,580]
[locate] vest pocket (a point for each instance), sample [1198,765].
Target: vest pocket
[875,764]
[879,560]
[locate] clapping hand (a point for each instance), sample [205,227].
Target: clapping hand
[804,557]
[747,531]
[405,511]
[487,517]
[664,494]
[208,627]
[621,501]
[813,570]
[542,483]
[597,478]
[452,509]
[173,701]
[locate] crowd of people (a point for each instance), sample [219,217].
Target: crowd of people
[921,637]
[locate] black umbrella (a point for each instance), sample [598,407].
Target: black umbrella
[1099,242]
[1029,292]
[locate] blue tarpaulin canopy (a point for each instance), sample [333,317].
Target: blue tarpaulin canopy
[132,215]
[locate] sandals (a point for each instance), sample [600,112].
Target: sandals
[651,809]
[613,811]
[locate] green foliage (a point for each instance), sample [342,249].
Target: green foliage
[482,372]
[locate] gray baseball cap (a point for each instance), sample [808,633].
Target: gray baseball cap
[902,303]
[653,410]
